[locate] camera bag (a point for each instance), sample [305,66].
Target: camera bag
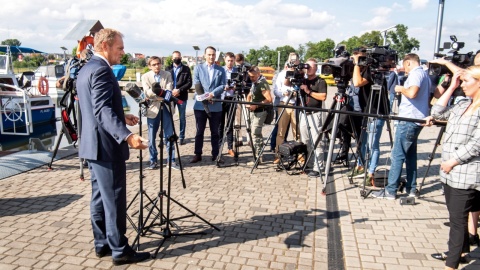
[292,148]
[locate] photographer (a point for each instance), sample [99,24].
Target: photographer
[314,91]
[260,92]
[283,89]
[228,94]
[415,94]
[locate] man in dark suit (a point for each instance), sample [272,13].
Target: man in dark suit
[182,82]
[212,79]
[105,141]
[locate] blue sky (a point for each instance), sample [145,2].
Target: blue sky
[159,27]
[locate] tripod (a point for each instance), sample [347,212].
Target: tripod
[431,156]
[237,128]
[369,130]
[164,219]
[141,192]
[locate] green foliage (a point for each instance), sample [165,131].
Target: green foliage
[74,50]
[401,42]
[284,52]
[12,42]
[168,61]
[320,50]
[125,59]
[141,63]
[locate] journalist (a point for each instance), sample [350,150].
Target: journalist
[415,94]
[164,78]
[314,92]
[228,94]
[105,142]
[459,170]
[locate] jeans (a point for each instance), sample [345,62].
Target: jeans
[404,150]
[153,126]
[183,121]
[214,122]
[374,133]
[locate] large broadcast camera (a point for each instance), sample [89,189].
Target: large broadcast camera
[340,67]
[462,60]
[296,76]
[379,58]
[238,79]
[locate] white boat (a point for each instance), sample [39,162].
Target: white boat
[23,104]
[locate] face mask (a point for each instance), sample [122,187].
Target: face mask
[177,61]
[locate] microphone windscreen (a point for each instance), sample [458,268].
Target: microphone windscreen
[133,90]
[199,89]
[156,88]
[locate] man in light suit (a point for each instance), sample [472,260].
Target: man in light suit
[212,79]
[153,112]
[105,141]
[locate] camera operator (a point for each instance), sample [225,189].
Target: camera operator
[314,91]
[282,89]
[260,92]
[240,62]
[415,94]
[228,94]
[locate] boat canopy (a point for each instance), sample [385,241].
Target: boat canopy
[18,49]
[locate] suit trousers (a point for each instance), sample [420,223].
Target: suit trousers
[288,117]
[108,206]
[201,118]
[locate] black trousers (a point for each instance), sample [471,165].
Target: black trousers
[459,203]
[226,106]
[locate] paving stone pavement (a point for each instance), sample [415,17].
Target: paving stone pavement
[267,220]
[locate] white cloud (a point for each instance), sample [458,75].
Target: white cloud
[418,4]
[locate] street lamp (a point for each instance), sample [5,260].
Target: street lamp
[278,61]
[384,36]
[196,48]
[64,53]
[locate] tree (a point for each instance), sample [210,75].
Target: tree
[11,42]
[401,42]
[320,50]
[74,50]
[141,63]
[168,61]
[125,59]
[284,52]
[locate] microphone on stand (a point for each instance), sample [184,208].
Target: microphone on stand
[165,94]
[202,96]
[136,93]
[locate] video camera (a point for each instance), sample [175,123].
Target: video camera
[238,79]
[341,68]
[462,60]
[296,76]
[379,58]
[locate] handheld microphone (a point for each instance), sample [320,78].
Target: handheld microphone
[165,94]
[136,93]
[201,93]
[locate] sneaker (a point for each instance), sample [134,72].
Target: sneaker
[383,194]
[153,166]
[412,193]
[356,172]
[313,174]
[175,166]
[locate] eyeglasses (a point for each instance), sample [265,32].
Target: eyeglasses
[155,64]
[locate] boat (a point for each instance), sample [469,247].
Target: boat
[23,103]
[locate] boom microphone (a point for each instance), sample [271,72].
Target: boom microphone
[200,92]
[165,94]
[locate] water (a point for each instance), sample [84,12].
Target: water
[44,137]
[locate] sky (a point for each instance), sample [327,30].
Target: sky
[155,27]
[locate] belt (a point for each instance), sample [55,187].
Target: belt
[259,110]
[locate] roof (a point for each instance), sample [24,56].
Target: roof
[83,28]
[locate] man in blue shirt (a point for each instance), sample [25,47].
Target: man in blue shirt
[415,95]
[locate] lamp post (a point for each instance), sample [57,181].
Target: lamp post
[196,48]
[278,61]
[64,53]
[438,34]
[384,36]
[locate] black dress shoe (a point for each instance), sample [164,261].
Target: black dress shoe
[196,159]
[134,257]
[443,257]
[182,142]
[104,251]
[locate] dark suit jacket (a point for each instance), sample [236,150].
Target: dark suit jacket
[184,80]
[103,121]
